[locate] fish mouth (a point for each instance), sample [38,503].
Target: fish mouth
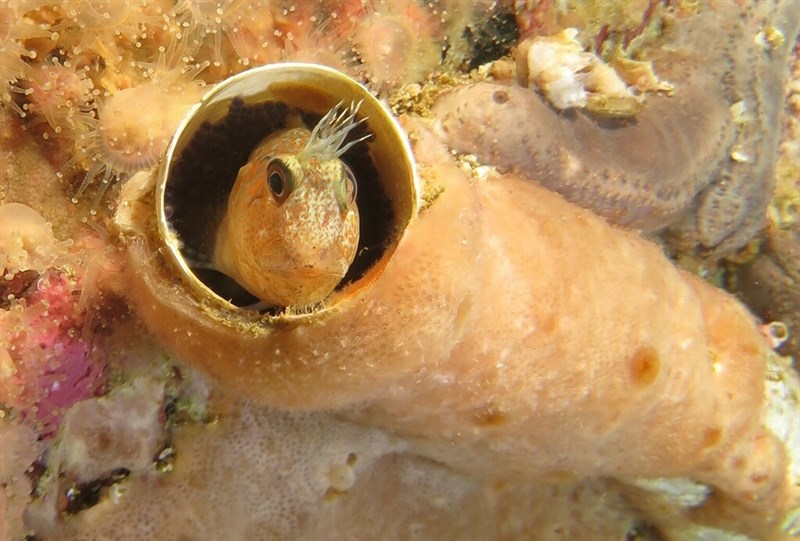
[309,272]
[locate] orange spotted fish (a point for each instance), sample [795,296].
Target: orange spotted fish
[292,226]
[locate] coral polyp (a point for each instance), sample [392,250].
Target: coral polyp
[15,30]
[59,92]
[236,32]
[397,42]
[119,138]
[105,27]
[311,34]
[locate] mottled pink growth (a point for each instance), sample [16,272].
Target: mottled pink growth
[49,365]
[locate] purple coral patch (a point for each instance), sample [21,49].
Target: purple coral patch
[53,366]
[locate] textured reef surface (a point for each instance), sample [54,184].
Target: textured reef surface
[699,157]
[636,150]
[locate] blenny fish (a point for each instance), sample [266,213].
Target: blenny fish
[291,228]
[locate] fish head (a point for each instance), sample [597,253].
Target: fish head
[292,219]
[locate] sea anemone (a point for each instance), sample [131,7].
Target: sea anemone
[309,33]
[27,241]
[58,92]
[98,26]
[131,127]
[252,35]
[15,29]
[246,23]
[46,364]
[397,42]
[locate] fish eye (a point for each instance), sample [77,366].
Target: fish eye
[279,180]
[351,187]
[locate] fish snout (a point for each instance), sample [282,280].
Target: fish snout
[322,241]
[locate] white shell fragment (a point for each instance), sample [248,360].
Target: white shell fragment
[26,240]
[571,78]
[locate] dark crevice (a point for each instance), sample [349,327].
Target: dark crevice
[85,495]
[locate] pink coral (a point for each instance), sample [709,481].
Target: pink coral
[48,365]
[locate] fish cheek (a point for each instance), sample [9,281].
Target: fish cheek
[350,236]
[263,236]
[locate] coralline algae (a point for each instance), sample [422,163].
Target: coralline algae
[49,366]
